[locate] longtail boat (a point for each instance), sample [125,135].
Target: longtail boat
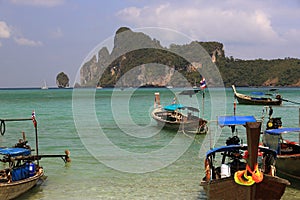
[178,117]
[282,140]
[252,100]
[239,174]
[21,169]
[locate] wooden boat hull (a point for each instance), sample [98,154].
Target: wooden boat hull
[192,124]
[248,100]
[288,159]
[271,187]
[251,101]
[16,188]
[288,165]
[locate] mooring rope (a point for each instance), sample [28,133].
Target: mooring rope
[3,126]
[193,138]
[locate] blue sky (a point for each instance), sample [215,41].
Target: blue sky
[41,38]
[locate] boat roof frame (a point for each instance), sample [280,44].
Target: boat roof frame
[282,130]
[238,147]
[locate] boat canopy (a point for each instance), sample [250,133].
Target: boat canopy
[282,130]
[15,151]
[234,120]
[189,92]
[258,93]
[173,107]
[225,148]
[239,147]
[193,109]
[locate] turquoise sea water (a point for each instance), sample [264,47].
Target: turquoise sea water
[117,150]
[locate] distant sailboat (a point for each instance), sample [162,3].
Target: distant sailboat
[44,87]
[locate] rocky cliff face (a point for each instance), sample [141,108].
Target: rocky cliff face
[62,80]
[130,64]
[91,71]
[147,75]
[137,60]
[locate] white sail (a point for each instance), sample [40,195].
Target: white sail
[44,87]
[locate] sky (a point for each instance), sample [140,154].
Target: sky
[41,38]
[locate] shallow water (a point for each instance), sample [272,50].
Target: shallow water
[117,150]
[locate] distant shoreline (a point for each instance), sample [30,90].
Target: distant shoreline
[34,88]
[56,88]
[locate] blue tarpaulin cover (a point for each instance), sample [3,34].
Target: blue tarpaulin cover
[234,120]
[15,151]
[20,173]
[282,130]
[173,107]
[257,93]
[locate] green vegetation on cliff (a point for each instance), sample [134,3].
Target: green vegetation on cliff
[129,52]
[259,72]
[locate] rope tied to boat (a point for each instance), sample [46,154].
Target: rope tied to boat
[2,127]
[241,177]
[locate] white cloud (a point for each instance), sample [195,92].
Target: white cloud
[43,3]
[205,23]
[259,27]
[7,32]
[130,13]
[26,42]
[57,33]
[4,30]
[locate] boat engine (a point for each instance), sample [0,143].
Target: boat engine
[274,123]
[235,140]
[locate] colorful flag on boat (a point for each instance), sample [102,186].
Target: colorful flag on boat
[33,119]
[203,83]
[33,115]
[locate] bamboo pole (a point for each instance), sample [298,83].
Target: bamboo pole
[21,119]
[36,141]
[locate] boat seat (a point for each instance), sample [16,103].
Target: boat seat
[20,172]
